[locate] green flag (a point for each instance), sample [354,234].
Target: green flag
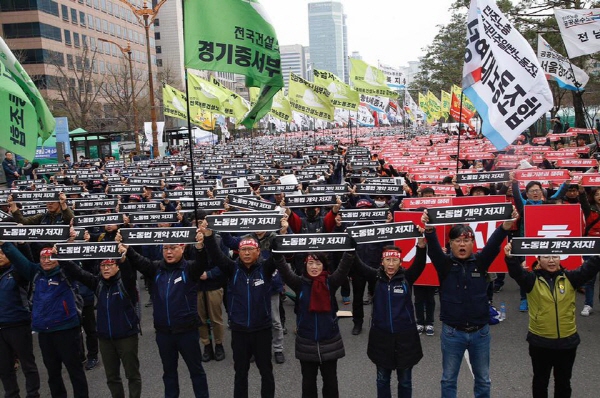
[281,108]
[234,105]
[234,36]
[18,120]
[204,96]
[369,80]
[435,106]
[310,99]
[446,101]
[175,102]
[44,119]
[342,96]
[424,105]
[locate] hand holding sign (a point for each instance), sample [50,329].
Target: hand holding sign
[507,249]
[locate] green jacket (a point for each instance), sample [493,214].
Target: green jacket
[552,308]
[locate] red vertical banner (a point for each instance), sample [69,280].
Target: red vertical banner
[555,221]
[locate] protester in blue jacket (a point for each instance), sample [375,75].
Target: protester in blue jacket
[55,317]
[118,322]
[319,344]
[249,308]
[464,304]
[15,331]
[394,342]
[174,293]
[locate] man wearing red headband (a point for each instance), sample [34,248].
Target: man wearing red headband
[118,321]
[249,296]
[56,318]
[464,305]
[394,342]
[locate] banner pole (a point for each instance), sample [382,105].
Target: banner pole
[459,124]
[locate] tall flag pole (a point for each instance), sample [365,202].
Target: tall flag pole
[235,36]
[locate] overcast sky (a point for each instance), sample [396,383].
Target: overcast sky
[391,31]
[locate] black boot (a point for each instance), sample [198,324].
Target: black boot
[219,352]
[357,328]
[208,353]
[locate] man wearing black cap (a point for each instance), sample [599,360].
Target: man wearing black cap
[557,127]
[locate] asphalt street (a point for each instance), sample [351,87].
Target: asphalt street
[510,364]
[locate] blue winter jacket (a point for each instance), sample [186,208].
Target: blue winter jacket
[14,305]
[54,305]
[174,292]
[249,288]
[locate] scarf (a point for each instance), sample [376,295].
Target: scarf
[320,299]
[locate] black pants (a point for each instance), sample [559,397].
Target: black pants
[424,304]
[358,288]
[125,351]
[244,345]
[310,371]
[63,347]
[188,345]
[543,361]
[17,341]
[88,322]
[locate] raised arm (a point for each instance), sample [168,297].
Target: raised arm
[415,270]
[340,275]
[26,268]
[77,273]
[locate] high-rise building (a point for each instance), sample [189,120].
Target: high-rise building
[328,38]
[57,44]
[168,33]
[292,60]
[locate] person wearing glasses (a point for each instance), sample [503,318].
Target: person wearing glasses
[249,308]
[552,335]
[174,294]
[118,323]
[464,306]
[534,195]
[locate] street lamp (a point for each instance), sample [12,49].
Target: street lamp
[146,17]
[127,51]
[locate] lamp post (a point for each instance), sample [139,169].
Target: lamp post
[127,51]
[146,17]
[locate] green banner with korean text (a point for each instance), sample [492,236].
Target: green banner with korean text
[175,103]
[234,36]
[310,99]
[281,108]
[342,96]
[369,80]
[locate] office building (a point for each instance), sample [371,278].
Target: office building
[293,60]
[328,38]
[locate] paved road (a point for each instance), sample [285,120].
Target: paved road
[510,365]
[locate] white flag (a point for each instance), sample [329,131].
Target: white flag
[580,30]
[559,68]
[501,75]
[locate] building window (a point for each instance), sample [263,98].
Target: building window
[31,29]
[118,29]
[103,5]
[111,28]
[96,4]
[78,63]
[65,12]
[104,26]
[84,41]
[82,18]
[97,24]
[41,56]
[70,61]
[47,6]
[90,21]
[88,3]
[76,41]
[109,7]
[156,35]
[74,16]
[158,49]
[156,22]
[159,63]
[67,37]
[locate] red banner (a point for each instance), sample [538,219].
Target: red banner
[566,220]
[455,111]
[590,180]
[537,174]
[578,130]
[577,163]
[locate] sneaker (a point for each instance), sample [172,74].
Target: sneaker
[356,329]
[369,300]
[420,328]
[346,300]
[587,310]
[429,330]
[219,352]
[279,358]
[208,353]
[91,363]
[497,289]
[524,307]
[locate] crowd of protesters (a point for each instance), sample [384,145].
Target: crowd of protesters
[190,285]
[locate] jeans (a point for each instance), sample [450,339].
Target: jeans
[543,360]
[454,345]
[384,377]
[188,345]
[310,371]
[17,341]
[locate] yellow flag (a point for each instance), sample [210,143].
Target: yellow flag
[446,101]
